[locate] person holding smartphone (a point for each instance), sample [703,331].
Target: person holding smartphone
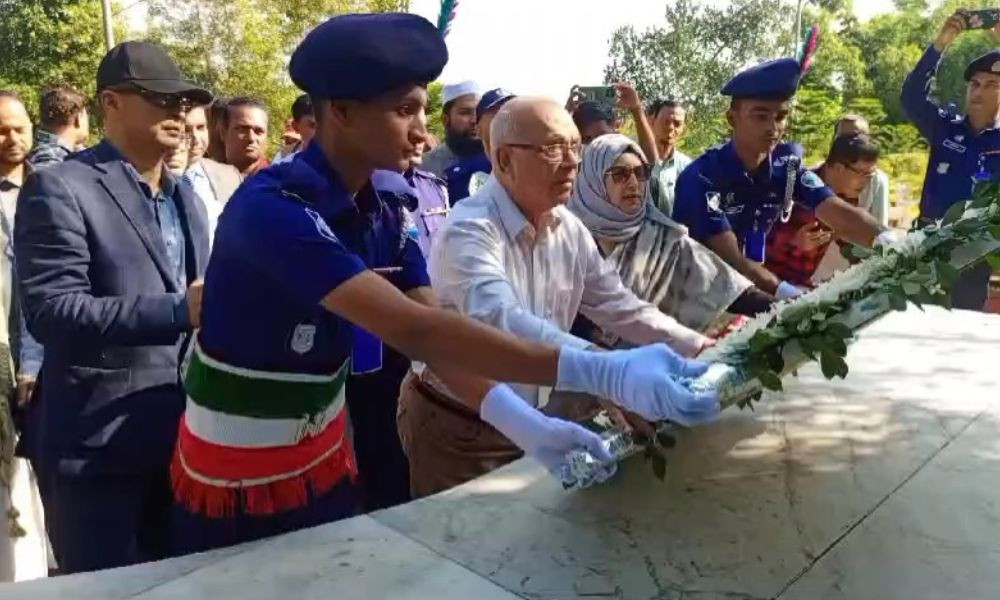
[964,147]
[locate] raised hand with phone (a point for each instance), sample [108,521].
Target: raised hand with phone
[966,19]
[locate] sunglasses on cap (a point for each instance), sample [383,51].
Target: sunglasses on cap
[164,101]
[622,174]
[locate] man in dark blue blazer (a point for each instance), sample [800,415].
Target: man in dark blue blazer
[110,250]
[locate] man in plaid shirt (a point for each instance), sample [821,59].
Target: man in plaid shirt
[795,248]
[64,126]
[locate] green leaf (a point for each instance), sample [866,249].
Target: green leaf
[947,272]
[838,329]
[993,260]
[775,361]
[770,380]
[897,301]
[762,340]
[911,289]
[832,365]
[836,345]
[954,213]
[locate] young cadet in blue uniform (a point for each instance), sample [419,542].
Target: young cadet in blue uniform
[731,195]
[309,258]
[963,148]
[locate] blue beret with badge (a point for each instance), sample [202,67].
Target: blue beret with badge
[987,63]
[361,56]
[772,80]
[491,101]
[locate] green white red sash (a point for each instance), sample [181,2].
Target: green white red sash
[258,442]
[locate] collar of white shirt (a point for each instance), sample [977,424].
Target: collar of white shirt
[514,223]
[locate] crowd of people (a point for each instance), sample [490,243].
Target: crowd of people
[207,347]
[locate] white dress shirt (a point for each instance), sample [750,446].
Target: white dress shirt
[203,189]
[491,264]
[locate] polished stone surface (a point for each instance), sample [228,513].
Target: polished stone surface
[880,486]
[751,501]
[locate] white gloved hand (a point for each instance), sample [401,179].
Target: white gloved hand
[887,239]
[643,380]
[543,438]
[787,291]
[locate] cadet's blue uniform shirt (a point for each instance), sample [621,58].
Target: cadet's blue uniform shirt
[715,194]
[956,155]
[288,236]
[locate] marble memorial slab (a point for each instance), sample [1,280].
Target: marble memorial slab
[751,501]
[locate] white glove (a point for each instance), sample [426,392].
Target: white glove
[543,438]
[644,380]
[888,239]
[787,291]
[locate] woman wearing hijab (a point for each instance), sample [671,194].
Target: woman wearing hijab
[654,255]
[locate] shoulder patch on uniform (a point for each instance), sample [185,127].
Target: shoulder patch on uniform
[811,180]
[321,226]
[714,201]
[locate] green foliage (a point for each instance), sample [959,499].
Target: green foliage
[858,68]
[923,276]
[697,48]
[48,41]
[816,111]
[434,106]
[906,175]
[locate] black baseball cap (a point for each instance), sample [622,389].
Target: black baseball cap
[149,67]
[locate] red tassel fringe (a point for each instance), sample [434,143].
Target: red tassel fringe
[265,499]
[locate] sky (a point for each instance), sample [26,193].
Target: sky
[544,47]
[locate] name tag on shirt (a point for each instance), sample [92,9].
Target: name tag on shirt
[955,146]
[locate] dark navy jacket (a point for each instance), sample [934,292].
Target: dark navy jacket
[99,293]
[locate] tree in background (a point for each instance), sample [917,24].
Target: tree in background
[48,41]
[698,47]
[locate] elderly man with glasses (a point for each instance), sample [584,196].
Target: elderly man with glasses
[111,248]
[512,256]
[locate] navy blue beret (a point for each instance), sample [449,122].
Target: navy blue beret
[988,63]
[772,80]
[361,56]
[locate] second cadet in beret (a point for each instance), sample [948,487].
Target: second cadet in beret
[361,56]
[772,80]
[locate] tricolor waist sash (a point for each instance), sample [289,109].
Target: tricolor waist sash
[258,442]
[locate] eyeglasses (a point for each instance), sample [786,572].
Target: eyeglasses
[164,101]
[621,174]
[865,174]
[554,153]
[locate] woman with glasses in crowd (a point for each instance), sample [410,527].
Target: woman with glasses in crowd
[654,255]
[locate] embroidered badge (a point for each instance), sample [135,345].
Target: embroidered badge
[303,338]
[713,199]
[811,180]
[942,168]
[321,226]
[409,226]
